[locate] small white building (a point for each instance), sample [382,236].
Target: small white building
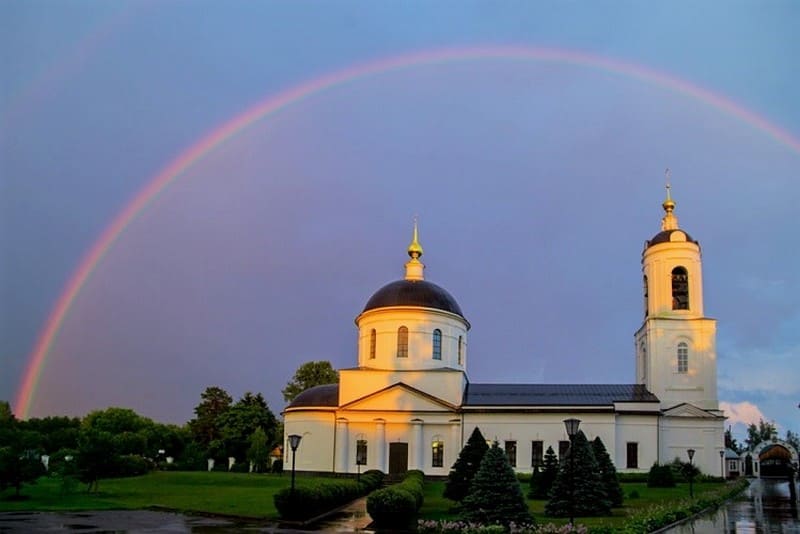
[408,403]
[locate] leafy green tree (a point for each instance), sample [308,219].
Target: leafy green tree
[258,453]
[465,467]
[20,462]
[608,473]
[577,487]
[115,421]
[205,428]
[308,375]
[660,476]
[239,422]
[495,495]
[95,459]
[57,432]
[6,414]
[764,431]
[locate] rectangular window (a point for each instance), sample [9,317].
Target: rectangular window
[537,453]
[632,455]
[361,452]
[511,452]
[437,454]
[732,465]
[563,447]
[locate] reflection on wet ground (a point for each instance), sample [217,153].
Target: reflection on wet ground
[351,518]
[764,507]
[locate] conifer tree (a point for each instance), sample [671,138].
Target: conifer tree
[495,495]
[549,473]
[465,467]
[577,487]
[608,473]
[535,483]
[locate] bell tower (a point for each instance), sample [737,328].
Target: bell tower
[676,355]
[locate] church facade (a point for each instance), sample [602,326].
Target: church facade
[408,403]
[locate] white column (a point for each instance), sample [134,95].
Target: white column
[342,445]
[417,453]
[454,447]
[380,445]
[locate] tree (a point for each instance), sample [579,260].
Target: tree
[764,431]
[238,423]
[544,482]
[258,453]
[308,375]
[214,402]
[495,495]
[20,462]
[465,467]
[608,473]
[731,443]
[95,457]
[792,439]
[577,488]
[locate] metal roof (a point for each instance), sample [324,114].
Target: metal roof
[327,395]
[414,293]
[555,394]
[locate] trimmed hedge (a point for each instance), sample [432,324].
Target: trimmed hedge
[308,502]
[397,505]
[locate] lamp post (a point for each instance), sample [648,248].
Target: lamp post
[294,441]
[690,452]
[722,464]
[572,425]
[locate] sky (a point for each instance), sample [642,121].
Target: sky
[533,151]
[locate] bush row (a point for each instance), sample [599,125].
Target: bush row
[397,505]
[659,516]
[307,502]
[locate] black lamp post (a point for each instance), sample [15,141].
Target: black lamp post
[722,464]
[572,431]
[294,442]
[690,452]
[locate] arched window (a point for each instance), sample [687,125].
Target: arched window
[402,342]
[643,363]
[644,281]
[460,349]
[373,341]
[437,344]
[680,289]
[437,452]
[683,357]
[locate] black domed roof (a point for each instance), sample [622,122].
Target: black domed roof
[325,395]
[414,293]
[665,237]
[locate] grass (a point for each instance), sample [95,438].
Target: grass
[236,494]
[437,507]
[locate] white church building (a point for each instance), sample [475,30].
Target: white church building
[409,404]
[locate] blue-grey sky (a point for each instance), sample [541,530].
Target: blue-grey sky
[536,184]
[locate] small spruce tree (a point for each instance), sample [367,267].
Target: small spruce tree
[577,487]
[535,483]
[608,473]
[495,495]
[465,467]
[549,473]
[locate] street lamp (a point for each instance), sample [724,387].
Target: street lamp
[690,452]
[294,442]
[572,431]
[722,464]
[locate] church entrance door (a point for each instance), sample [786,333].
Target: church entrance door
[398,458]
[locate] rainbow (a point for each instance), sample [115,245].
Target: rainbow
[294,95]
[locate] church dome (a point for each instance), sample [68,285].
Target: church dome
[665,236]
[420,293]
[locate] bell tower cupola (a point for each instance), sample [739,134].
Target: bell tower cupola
[676,344]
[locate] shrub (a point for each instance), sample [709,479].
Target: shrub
[130,465]
[308,502]
[660,476]
[397,505]
[277,466]
[634,494]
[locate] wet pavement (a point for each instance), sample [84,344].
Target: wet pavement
[351,518]
[765,507]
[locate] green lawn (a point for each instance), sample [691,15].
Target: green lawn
[239,494]
[437,507]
